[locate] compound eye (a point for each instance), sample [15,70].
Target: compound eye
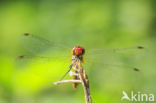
[78,50]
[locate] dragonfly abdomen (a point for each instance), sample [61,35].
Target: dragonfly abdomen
[75,84]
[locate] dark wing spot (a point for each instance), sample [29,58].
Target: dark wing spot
[26,34]
[21,57]
[140,47]
[136,69]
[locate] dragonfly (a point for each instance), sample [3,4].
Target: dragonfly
[37,45]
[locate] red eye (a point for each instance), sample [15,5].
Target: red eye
[78,50]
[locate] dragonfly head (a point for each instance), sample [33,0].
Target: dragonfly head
[78,51]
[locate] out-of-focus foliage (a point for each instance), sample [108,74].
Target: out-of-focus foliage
[92,24]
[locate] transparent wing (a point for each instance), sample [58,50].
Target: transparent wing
[42,52]
[45,67]
[96,52]
[113,66]
[38,45]
[118,58]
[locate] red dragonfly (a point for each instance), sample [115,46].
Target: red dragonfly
[36,44]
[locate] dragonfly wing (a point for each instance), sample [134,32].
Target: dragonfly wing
[25,60]
[109,54]
[119,58]
[42,51]
[102,51]
[38,45]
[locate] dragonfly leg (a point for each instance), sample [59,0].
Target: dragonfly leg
[70,67]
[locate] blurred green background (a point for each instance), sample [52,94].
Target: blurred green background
[92,24]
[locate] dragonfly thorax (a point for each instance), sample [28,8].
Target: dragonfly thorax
[77,59]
